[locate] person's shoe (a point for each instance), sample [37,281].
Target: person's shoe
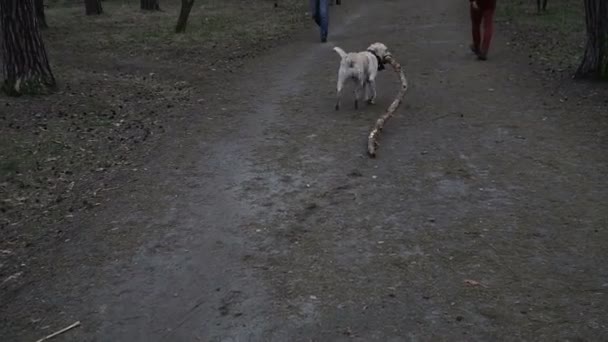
[474,49]
[482,56]
[323,39]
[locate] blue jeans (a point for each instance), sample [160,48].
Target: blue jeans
[320,12]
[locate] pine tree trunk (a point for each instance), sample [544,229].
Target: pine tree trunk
[25,63]
[182,21]
[595,60]
[39,8]
[93,7]
[150,5]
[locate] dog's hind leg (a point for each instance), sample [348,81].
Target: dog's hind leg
[339,95]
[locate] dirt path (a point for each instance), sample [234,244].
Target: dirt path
[266,221]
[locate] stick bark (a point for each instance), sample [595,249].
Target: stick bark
[372,140]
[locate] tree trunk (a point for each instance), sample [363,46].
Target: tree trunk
[182,21]
[150,5]
[39,8]
[93,7]
[595,60]
[541,6]
[25,63]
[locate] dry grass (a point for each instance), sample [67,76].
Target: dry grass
[555,38]
[124,77]
[235,25]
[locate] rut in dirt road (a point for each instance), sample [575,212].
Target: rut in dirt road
[483,218]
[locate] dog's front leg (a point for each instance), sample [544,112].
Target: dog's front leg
[372,86]
[366,88]
[360,86]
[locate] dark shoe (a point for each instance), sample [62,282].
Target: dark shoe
[482,56]
[323,39]
[474,49]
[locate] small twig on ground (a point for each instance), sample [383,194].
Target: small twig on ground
[59,332]
[474,283]
[60,143]
[372,141]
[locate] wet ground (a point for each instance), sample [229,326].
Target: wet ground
[483,217]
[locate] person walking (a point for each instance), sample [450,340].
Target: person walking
[320,13]
[482,12]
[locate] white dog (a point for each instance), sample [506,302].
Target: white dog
[361,67]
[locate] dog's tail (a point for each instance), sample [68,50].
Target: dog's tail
[345,59]
[341,52]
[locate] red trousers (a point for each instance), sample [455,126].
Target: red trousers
[485,16]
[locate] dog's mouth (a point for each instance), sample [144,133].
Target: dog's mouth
[381,60]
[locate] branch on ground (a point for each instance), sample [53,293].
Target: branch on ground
[372,140]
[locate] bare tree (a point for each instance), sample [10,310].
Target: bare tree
[150,5]
[39,8]
[25,63]
[595,60]
[93,7]
[182,21]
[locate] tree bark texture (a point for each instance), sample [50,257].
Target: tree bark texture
[39,8]
[595,59]
[150,5]
[182,21]
[25,63]
[93,7]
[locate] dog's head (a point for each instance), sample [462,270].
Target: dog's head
[380,50]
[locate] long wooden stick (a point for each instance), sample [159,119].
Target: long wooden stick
[59,332]
[372,140]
